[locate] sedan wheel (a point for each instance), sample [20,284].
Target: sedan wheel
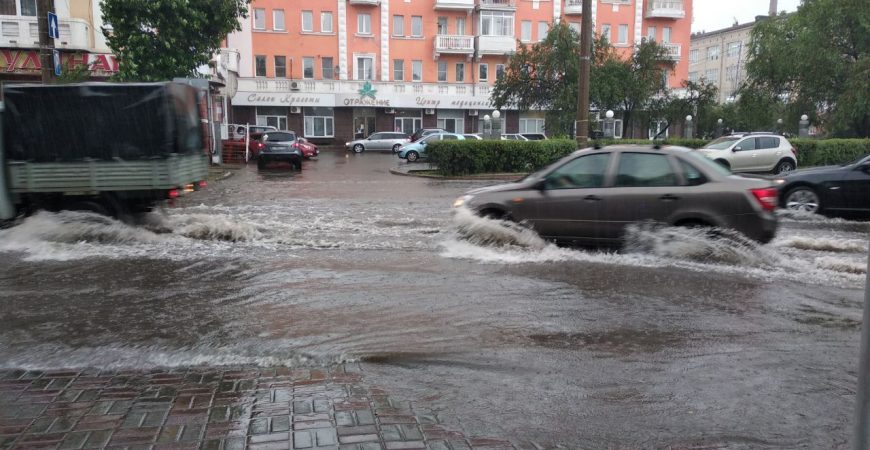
[358,148]
[802,199]
[784,166]
[413,156]
[396,148]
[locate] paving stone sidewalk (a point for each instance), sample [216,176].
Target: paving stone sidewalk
[216,409]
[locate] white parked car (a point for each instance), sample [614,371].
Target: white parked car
[752,152]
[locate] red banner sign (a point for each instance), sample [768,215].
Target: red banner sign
[27,62]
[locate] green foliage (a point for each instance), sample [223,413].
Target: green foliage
[492,156]
[76,74]
[824,152]
[157,40]
[699,102]
[815,62]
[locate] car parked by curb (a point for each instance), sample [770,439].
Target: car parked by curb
[416,150]
[380,141]
[279,146]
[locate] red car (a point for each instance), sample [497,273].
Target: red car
[309,150]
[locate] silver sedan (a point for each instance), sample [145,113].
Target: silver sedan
[382,141]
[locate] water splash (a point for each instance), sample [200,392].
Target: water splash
[823,244]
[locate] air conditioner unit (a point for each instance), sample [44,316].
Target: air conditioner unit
[390,110]
[294,85]
[295,109]
[472,112]
[430,111]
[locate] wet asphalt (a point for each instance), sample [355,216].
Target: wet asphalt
[679,342]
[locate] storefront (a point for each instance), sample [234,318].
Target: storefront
[408,120]
[24,64]
[452,120]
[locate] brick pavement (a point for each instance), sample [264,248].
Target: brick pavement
[216,409]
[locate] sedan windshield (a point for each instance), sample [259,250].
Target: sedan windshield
[722,143]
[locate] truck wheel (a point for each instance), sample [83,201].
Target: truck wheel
[90,206]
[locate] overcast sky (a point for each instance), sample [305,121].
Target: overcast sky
[711,15]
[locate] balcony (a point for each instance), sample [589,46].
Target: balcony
[365,2]
[22,32]
[673,51]
[573,6]
[496,45]
[454,4]
[509,5]
[454,44]
[665,9]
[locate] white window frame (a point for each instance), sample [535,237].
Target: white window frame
[261,12]
[364,24]
[606,32]
[666,35]
[416,22]
[713,53]
[306,60]
[309,125]
[445,30]
[310,16]
[693,76]
[326,22]
[480,75]
[622,34]
[330,67]
[442,71]
[543,29]
[265,66]
[275,62]
[458,72]
[399,68]
[538,125]
[417,63]
[733,49]
[651,33]
[693,56]
[275,21]
[398,25]
[460,26]
[501,23]
[279,122]
[712,75]
[356,66]
[526,31]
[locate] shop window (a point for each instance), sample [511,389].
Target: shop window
[272,116]
[319,122]
[531,125]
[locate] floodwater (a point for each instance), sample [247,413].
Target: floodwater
[676,340]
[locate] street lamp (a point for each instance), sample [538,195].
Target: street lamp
[804,126]
[496,124]
[487,127]
[778,126]
[719,128]
[608,125]
[689,127]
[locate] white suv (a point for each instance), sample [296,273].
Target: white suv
[752,152]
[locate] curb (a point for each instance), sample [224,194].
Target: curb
[482,177]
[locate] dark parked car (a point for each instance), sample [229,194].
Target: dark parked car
[835,190]
[419,134]
[590,196]
[309,150]
[279,146]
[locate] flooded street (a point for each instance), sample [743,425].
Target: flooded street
[676,340]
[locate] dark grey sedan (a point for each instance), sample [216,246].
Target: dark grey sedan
[589,197]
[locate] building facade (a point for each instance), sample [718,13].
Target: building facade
[333,70]
[719,57]
[81,39]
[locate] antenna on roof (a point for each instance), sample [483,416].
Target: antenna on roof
[736,22]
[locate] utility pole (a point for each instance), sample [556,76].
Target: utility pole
[46,44]
[862,399]
[772,11]
[585,63]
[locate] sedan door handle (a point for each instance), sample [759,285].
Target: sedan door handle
[669,197]
[592,198]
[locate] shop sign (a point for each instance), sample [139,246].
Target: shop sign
[276,99]
[27,62]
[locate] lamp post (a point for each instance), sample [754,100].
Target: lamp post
[804,126]
[487,127]
[689,127]
[496,124]
[608,125]
[778,126]
[719,128]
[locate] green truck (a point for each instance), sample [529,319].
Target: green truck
[113,148]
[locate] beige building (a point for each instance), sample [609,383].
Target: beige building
[719,57]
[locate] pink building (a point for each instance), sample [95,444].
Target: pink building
[325,68]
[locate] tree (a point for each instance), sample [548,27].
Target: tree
[158,40]
[815,62]
[697,99]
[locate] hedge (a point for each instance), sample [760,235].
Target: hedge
[491,156]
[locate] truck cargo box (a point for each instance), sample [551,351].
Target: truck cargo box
[100,121]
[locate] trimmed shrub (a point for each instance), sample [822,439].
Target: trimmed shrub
[825,152]
[491,156]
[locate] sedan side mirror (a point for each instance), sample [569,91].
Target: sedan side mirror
[865,167]
[540,185]
[737,149]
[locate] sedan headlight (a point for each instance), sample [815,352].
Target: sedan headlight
[462,201]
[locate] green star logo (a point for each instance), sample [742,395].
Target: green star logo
[367,91]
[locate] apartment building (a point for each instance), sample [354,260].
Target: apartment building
[719,57]
[81,39]
[330,68]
